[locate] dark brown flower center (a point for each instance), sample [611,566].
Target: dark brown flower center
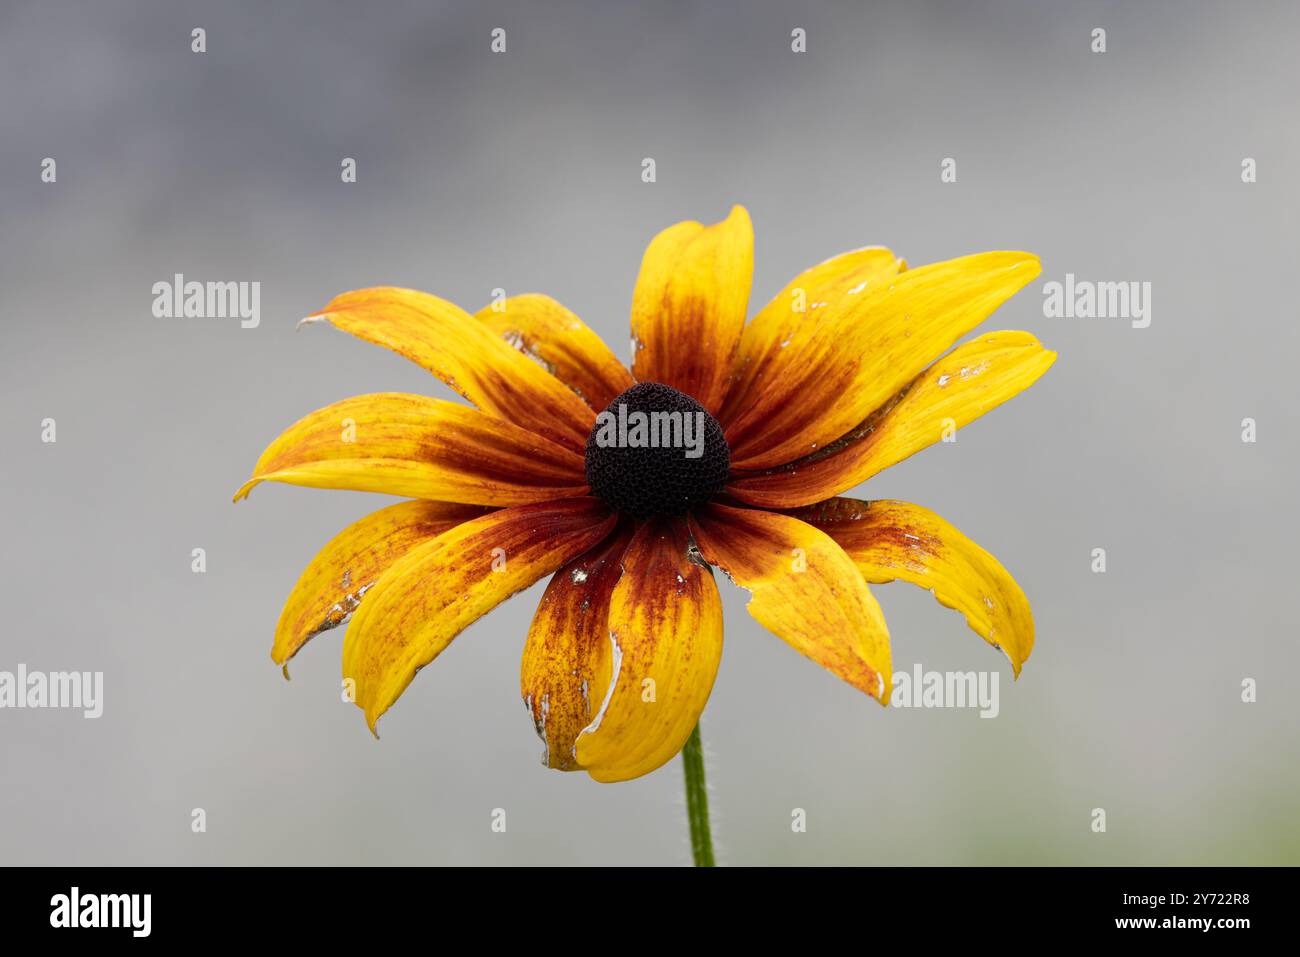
[656,451]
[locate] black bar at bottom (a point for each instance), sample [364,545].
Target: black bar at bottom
[379,906]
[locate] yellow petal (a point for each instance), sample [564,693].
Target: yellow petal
[332,585]
[547,332]
[794,314]
[894,540]
[429,596]
[974,378]
[688,309]
[665,632]
[862,350]
[568,656]
[411,445]
[804,590]
[465,354]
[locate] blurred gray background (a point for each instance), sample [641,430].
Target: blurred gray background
[522,171]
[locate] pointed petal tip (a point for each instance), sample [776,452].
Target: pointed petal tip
[372,719]
[311,320]
[738,209]
[244,489]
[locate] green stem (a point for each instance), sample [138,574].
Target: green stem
[697,800]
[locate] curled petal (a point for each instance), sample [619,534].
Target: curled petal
[411,445]
[974,378]
[665,635]
[894,540]
[804,589]
[333,584]
[688,309]
[545,331]
[568,656]
[439,588]
[466,355]
[862,350]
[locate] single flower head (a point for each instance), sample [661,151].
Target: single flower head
[726,445]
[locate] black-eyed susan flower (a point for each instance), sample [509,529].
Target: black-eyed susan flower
[760,427]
